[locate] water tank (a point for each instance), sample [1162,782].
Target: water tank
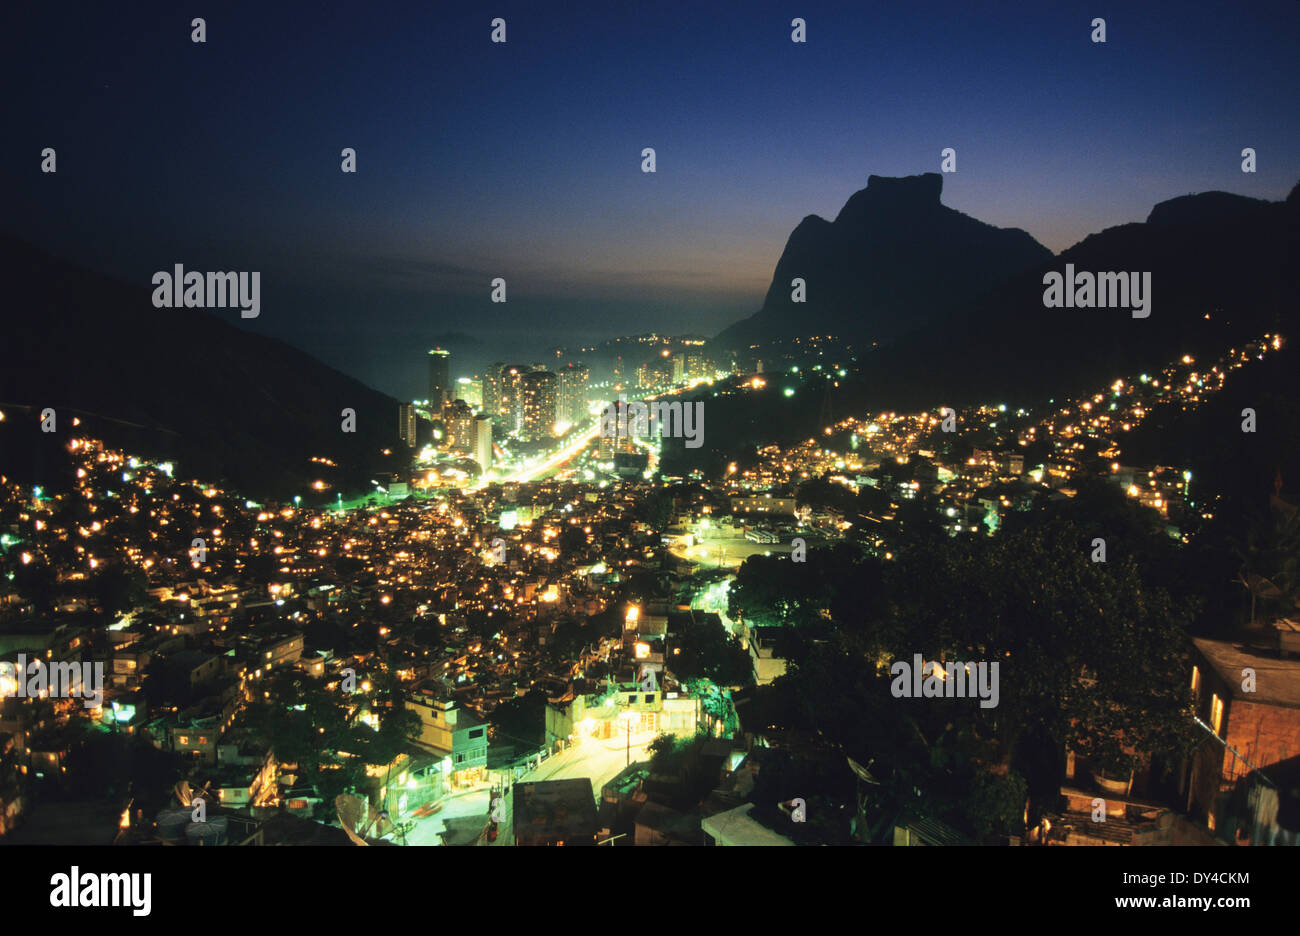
[215,831]
[171,823]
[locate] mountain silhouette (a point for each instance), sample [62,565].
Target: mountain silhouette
[1223,271]
[958,305]
[893,259]
[225,403]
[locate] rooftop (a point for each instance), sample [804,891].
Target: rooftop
[735,827]
[1277,680]
[560,808]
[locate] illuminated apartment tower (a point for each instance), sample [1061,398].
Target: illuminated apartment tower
[483,442]
[458,422]
[622,434]
[573,393]
[470,389]
[440,388]
[407,423]
[511,414]
[492,391]
[537,402]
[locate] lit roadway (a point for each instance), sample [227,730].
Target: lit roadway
[598,760]
[571,451]
[560,458]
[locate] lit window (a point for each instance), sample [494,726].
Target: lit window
[184,739]
[1196,682]
[1216,713]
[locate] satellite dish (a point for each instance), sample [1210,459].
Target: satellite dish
[354,816]
[186,794]
[1260,586]
[862,773]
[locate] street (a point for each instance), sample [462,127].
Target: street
[598,760]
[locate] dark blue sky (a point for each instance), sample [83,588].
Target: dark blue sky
[522,160]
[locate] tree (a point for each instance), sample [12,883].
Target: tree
[521,720]
[1090,656]
[119,588]
[705,649]
[1270,562]
[659,508]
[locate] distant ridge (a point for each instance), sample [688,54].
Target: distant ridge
[1228,257]
[895,266]
[224,402]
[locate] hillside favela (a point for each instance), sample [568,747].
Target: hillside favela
[681,477]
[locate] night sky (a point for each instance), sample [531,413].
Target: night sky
[522,160]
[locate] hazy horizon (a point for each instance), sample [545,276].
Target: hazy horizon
[523,159]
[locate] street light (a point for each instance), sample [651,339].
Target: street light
[627,719]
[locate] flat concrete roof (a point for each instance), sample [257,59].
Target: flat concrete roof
[1277,681]
[735,827]
[557,808]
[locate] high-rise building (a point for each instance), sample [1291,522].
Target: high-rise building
[655,374]
[679,368]
[458,423]
[440,388]
[618,432]
[407,423]
[483,441]
[470,389]
[511,415]
[573,393]
[537,402]
[492,391]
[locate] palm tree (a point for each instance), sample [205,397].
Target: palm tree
[1270,568]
